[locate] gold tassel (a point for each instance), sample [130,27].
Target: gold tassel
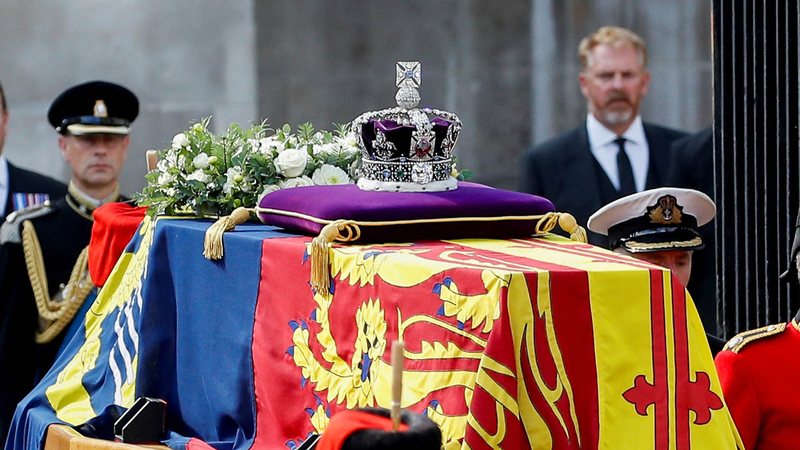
[565,221]
[338,230]
[576,232]
[212,245]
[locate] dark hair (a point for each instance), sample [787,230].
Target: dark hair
[3,98]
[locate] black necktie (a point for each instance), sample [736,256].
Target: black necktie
[626,183]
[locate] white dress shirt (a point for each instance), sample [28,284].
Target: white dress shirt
[3,184]
[604,149]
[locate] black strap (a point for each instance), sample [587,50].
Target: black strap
[627,185]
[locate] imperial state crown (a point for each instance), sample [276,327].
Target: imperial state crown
[405,148]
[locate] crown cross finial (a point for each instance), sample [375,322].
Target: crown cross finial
[408,81]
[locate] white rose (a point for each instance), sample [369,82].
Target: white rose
[267,189]
[179,141]
[201,161]
[296,182]
[291,162]
[328,174]
[199,175]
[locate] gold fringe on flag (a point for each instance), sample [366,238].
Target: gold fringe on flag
[212,245]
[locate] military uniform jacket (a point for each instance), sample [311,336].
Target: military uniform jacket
[63,232]
[21,181]
[759,371]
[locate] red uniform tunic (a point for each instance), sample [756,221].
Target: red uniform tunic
[759,371]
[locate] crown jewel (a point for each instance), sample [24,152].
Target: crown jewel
[406,148]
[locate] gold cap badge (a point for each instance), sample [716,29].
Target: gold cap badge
[666,211]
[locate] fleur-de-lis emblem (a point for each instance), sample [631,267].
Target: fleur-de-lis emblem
[665,211]
[384,149]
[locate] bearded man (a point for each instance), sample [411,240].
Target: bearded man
[614,153]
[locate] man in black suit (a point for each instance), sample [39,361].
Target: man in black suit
[20,188]
[613,153]
[43,273]
[693,167]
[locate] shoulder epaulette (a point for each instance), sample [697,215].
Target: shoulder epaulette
[9,231]
[737,343]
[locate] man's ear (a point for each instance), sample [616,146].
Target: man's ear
[62,146]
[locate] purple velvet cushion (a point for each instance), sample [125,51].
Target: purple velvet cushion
[347,201]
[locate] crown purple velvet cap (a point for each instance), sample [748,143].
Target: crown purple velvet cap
[400,136]
[480,212]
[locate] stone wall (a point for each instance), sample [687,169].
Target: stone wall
[508,69]
[184,59]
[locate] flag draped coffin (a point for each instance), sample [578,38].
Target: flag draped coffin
[529,343]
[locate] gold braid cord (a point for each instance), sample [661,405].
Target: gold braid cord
[54,315]
[212,245]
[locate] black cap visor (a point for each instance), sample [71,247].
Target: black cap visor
[81,125]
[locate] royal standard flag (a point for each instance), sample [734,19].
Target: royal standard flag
[536,343]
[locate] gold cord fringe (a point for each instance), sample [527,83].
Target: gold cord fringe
[338,230]
[212,245]
[566,222]
[54,315]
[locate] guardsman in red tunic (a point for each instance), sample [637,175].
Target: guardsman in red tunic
[759,370]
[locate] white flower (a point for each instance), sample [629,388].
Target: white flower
[296,182]
[199,175]
[269,144]
[165,179]
[162,165]
[349,143]
[267,189]
[234,177]
[291,162]
[170,160]
[201,161]
[179,141]
[326,149]
[328,174]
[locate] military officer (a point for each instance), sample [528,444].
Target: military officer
[660,226]
[41,245]
[758,370]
